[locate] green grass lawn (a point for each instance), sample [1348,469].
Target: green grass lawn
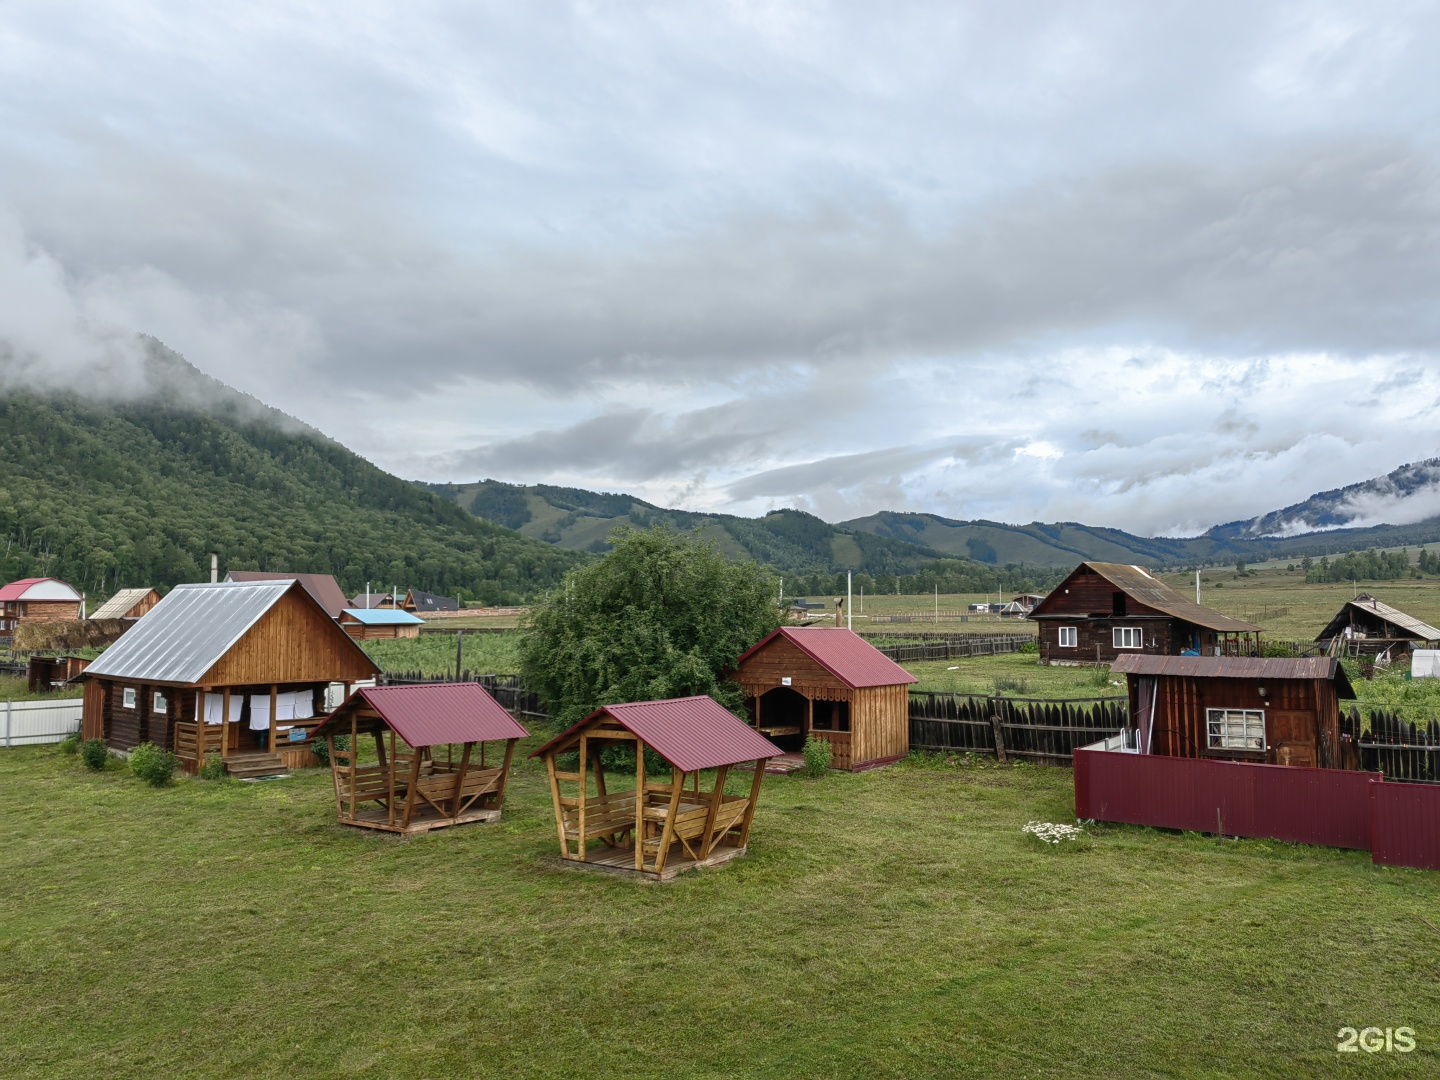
[890,924]
[1014,675]
[434,654]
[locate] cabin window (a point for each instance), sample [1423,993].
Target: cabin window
[159,704]
[127,699]
[1129,637]
[1117,603]
[1068,637]
[1235,729]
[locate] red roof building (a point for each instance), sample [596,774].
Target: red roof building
[831,683]
[37,600]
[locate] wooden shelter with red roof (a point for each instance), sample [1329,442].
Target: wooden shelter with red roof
[831,683]
[430,775]
[656,829]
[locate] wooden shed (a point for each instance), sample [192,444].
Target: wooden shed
[37,600]
[1105,610]
[371,624]
[238,670]
[656,829]
[127,604]
[832,683]
[1369,626]
[434,771]
[1261,709]
[47,673]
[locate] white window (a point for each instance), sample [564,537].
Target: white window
[127,699]
[1235,729]
[1129,637]
[1067,637]
[160,704]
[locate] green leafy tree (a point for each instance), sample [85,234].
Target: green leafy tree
[661,615]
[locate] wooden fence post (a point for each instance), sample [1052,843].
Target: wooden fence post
[999,733]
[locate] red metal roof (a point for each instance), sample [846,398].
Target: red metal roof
[432,714]
[16,589]
[690,732]
[1236,667]
[843,653]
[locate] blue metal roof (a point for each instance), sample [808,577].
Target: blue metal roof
[383,617]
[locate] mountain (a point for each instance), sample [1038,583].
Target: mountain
[1411,492]
[108,494]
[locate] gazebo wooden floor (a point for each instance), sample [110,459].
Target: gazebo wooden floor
[423,819]
[621,862]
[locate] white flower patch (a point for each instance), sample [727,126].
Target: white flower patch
[1052,833]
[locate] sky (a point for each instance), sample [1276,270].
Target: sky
[1145,265]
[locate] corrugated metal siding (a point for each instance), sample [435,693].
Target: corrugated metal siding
[1305,806]
[1405,825]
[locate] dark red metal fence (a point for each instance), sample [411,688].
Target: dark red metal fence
[1405,825]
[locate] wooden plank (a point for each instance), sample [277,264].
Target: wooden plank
[667,835]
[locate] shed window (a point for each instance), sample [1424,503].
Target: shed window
[1236,729]
[159,703]
[1067,637]
[1129,637]
[127,699]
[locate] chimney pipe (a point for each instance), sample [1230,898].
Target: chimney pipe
[214,568]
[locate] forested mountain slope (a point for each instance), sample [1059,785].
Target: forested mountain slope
[138,493]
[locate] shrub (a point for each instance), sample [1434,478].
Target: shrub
[1029,648]
[94,754]
[213,768]
[817,756]
[322,750]
[153,765]
[70,745]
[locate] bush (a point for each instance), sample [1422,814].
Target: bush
[1029,648]
[153,765]
[94,754]
[322,750]
[817,756]
[213,768]
[70,745]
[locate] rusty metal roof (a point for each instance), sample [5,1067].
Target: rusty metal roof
[1237,667]
[1141,585]
[843,653]
[690,732]
[1367,604]
[431,714]
[323,587]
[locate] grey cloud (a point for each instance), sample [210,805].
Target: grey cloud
[837,472]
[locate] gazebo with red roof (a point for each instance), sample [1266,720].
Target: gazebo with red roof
[656,830]
[831,683]
[412,788]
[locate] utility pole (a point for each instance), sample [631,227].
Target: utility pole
[937,603]
[849,597]
[1197,586]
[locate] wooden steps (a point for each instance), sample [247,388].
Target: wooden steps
[249,766]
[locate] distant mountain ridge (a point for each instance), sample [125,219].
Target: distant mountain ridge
[1412,490]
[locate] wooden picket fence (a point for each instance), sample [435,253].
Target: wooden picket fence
[956,647]
[1401,749]
[1028,728]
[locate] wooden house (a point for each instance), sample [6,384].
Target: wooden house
[1368,626]
[1105,610]
[367,601]
[323,587]
[655,829]
[434,771]
[828,682]
[127,604]
[1243,708]
[424,603]
[37,600]
[367,624]
[235,669]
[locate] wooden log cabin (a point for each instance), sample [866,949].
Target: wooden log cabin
[1367,626]
[372,624]
[655,829]
[127,604]
[240,670]
[434,771]
[37,600]
[831,683]
[1259,709]
[1105,610]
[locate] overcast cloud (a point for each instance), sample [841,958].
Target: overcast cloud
[1139,265]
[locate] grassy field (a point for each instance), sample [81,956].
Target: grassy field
[889,924]
[14,688]
[434,654]
[1015,675]
[924,604]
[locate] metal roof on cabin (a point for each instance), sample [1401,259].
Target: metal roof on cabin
[323,587]
[383,617]
[1136,582]
[1237,667]
[690,733]
[120,603]
[16,590]
[1370,606]
[188,631]
[843,653]
[433,714]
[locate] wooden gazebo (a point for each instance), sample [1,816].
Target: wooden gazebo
[430,774]
[656,830]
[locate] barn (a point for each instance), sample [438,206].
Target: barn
[127,604]
[831,683]
[1241,708]
[368,624]
[1369,626]
[37,600]
[1106,610]
[235,669]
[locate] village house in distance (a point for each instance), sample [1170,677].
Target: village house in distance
[37,600]
[1106,610]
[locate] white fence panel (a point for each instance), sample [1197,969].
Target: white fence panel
[26,722]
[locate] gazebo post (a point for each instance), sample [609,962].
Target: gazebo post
[411,786]
[390,802]
[754,798]
[638,838]
[667,836]
[715,797]
[460,778]
[334,776]
[505,770]
[584,754]
[354,759]
[555,796]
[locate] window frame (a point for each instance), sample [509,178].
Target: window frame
[1117,631]
[128,697]
[1247,716]
[159,702]
[1073,633]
